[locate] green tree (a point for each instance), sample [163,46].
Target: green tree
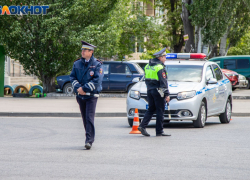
[173,22]
[48,44]
[242,47]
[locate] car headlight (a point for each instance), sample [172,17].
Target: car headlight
[134,94]
[185,95]
[242,77]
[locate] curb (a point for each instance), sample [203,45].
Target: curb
[241,97]
[116,95]
[118,114]
[44,114]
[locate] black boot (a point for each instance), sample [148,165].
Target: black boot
[87,145]
[163,134]
[143,131]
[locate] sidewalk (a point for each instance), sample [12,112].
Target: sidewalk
[68,107]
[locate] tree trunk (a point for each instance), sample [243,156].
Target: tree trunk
[188,27]
[223,44]
[227,49]
[199,45]
[48,84]
[196,39]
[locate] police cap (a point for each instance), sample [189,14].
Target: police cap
[160,53]
[86,45]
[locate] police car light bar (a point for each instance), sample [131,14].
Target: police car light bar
[185,55]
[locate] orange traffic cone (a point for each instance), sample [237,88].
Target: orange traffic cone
[135,123]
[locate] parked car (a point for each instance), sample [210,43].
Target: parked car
[232,76]
[243,82]
[118,76]
[239,64]
[198,89]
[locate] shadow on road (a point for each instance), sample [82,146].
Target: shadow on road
[182,125]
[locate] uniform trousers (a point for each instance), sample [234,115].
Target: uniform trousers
[87,108]
[156,105]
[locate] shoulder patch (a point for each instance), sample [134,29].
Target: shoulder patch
[164,75]
[101,71]
[77,60]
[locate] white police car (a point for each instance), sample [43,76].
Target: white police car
[197,87]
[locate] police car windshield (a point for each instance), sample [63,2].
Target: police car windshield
[184,73]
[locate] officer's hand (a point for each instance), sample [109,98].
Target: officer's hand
[167,99]
[80,91]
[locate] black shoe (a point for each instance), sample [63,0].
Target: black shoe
[87,145]
[143,131]
[163,134]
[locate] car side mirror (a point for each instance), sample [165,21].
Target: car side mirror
[136,80]
[212,81]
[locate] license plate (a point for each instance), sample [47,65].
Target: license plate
[166,107]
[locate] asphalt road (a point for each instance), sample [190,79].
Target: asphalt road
[53,148]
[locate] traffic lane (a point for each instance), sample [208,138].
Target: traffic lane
[53,148]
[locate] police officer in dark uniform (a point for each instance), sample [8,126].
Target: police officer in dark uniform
[157,92]
[86,78]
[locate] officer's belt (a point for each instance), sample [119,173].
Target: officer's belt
[90,94]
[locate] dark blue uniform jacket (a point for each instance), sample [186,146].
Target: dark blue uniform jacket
[87,75]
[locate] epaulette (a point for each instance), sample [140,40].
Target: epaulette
[77,60]
[99,61]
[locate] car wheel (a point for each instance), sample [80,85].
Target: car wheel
[248,85]
[130,122]
[68,89]
[202,117]
[226,116]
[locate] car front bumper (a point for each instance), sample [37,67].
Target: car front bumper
[242,83]
[176,107]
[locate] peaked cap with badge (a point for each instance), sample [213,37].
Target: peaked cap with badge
[160,53]
[86,45]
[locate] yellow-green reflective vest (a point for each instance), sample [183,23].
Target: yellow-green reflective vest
[151,72]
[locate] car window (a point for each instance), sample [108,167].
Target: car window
[242,63]
[119,69]
[218,72]
[105,68]
[184,73]
[127,70]
[229,63]
[142,65]
[209,73]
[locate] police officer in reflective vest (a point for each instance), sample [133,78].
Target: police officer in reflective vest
[157,92]
[86,78]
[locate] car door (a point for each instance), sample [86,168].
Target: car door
[220,92]
[243,66]
[105,81]
[210,91]
[120,76]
